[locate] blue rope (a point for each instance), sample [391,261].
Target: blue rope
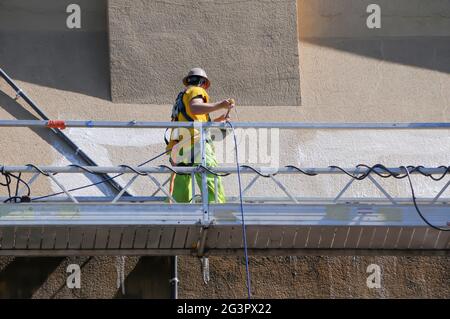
[244,231]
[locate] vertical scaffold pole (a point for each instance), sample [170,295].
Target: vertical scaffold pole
[205,203]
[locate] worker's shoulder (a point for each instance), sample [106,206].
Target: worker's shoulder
[194,91]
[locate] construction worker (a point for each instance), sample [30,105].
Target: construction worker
[193,105]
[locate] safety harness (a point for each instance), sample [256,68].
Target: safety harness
[177,109]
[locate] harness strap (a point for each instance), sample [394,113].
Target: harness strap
[179,107]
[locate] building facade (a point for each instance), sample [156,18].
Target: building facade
[286,60]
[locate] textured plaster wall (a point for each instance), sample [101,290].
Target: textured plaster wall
[67,74]
[248,48]
[317,277]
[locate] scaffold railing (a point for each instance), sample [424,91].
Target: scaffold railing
[279,125]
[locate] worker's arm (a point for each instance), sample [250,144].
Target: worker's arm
[223,118]
[198,106]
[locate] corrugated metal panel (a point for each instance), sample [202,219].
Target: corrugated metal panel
[48,237]
[22,235]
[128,234]
[140,240]
[293,229]
[340,237]
[221,238]
[224,238]
[366,237]
[301,237]
[287,241]
[353,237]
[263,238]
[101,238]
[8,235]
[75,237]
[154,237]
[443,241]
[167,235]
[179,239]
[115,237]
[430,239]
[212,237]
[313,237]
[418,237]
[193,238]
[35,238]
[88,241]
[61,237]
[405,238]
[392,237]
[326,237]
[252,236]
[276,237]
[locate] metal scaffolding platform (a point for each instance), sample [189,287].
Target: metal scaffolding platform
[288,225]
[272,229]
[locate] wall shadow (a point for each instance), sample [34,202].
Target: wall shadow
[413,36]
[23,276]
[19,112]
[37,47]
[148,280]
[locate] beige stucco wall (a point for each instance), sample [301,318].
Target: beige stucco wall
[398,75]
[248,47]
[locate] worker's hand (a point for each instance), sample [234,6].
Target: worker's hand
[227,104]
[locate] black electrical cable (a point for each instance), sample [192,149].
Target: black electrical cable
[417,207]
[133,170]
[446,171]
[18,199]
[20,180]
[201,167]
[365,174]
[16,193]
[172,170]
[300,170]
[8,181]
[373,169]
[386,173]
[408,169]
[254,169]
[38,169]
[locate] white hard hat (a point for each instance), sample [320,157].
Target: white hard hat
[197,72]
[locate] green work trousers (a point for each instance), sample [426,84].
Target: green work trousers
[181,185]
